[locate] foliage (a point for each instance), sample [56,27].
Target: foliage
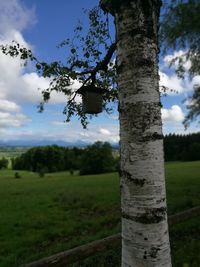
[17,175]
[48,159]
[97,158]
[91,62]
[41,171]
[3,163]
[181,30]
[182,147]
[69,211]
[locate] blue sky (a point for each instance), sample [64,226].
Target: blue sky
[42,25]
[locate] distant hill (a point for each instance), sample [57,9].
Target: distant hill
[33,143]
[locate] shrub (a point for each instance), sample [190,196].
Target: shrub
[17,175]
[41,172]
[71,171]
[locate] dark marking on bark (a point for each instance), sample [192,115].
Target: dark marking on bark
[136,31]
[155,215]
[154,252]
[139,182]
[160,200]
[148,18]
[145,238]
[152,137]
[118,107]
[125,174]
[144,62]
[128,176]
[152,216]
[150,7]
[121,67]
[126,216]
[145,255]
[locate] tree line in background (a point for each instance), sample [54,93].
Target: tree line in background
[97,158]
[94,159]
[182,147]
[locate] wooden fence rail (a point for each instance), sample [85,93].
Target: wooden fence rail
[64,258]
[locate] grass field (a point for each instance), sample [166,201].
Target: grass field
[41,216]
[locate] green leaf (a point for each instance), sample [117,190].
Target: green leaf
[73,50]
[87,55]
[38,66]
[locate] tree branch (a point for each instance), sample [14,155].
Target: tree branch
[102,65]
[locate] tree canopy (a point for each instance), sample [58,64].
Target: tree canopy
[181,30]
[96,158]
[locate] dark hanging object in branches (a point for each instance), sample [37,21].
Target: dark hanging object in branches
[91,64]
[92,99]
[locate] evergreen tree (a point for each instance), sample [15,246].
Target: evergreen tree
[182,147]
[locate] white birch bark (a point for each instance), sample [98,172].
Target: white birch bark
[145,240]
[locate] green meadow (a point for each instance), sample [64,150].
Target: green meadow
[42,216]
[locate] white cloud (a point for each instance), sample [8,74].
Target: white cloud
[22,87]
[14,15]
[58,123]
[176,54]
[170,79]
[104,131]
[12,120]
[172,82]
[177,85]
[113,117]
[9,106]
[104,134]
[17,86]
[174,114]
[84,134]
[196,80]
[75,132]
[14,18]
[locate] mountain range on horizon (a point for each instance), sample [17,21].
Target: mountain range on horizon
[32,143]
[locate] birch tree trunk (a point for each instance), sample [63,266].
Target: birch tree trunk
[145,240]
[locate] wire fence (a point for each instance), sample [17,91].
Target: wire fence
[67,257]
